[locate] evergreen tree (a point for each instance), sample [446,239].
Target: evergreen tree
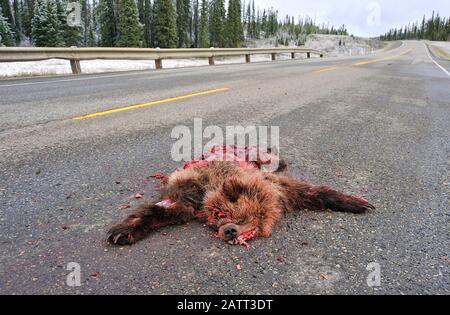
[5,5]
[61,11]
[177,23]
[183,17]
[196,23]
[141,10]
[18,21]
[147,23]
[38,32]
[203,31]
[422,28]
[217,21]
[62,17]
[130,32]
[152,25]
[429,31]
[434,28]
[85,14]
[253,22]
[233,27]
[107,21]
[46,27]
[165,26]
[90,24]
[247,19]
[52,26]
[89,28]
[6,34]
[26,14]
[95,24]
[91,42]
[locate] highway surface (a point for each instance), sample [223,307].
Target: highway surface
[376,126]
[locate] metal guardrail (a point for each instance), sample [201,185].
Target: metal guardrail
[17,54]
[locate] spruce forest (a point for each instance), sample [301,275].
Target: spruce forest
[150,23]
[436,28]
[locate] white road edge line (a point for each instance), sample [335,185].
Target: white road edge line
[69,80]
[435,62]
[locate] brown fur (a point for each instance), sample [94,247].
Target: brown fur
[226,196]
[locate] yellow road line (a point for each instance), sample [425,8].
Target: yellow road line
[326,70]
[167,100]
[361,63]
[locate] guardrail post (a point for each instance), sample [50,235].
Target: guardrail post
[211,59]
[308,55]
[274,56]
[158,64]
[248,58]
[75,65]
[293,55]
[158,60]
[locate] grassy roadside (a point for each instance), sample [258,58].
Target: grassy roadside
[439,52]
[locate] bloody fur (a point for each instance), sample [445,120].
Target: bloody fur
[231,194]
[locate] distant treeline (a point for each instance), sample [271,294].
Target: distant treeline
[147,23]
[436,28]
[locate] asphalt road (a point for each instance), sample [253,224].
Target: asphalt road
[376,126]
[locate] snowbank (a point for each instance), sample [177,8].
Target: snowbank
[58,66]
[353,46]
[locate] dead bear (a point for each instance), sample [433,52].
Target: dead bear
[239,198]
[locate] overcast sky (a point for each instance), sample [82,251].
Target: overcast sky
[362,17]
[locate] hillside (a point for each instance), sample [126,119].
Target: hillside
[339,46]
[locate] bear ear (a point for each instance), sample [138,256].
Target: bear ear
[282,166]
[233,188]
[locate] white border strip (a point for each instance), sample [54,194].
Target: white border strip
[435,62]
[128,73]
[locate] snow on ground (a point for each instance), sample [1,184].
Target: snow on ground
[262,43]
[58,66]
[329,43]
[349,45]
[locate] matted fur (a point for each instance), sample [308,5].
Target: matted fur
[232,200]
